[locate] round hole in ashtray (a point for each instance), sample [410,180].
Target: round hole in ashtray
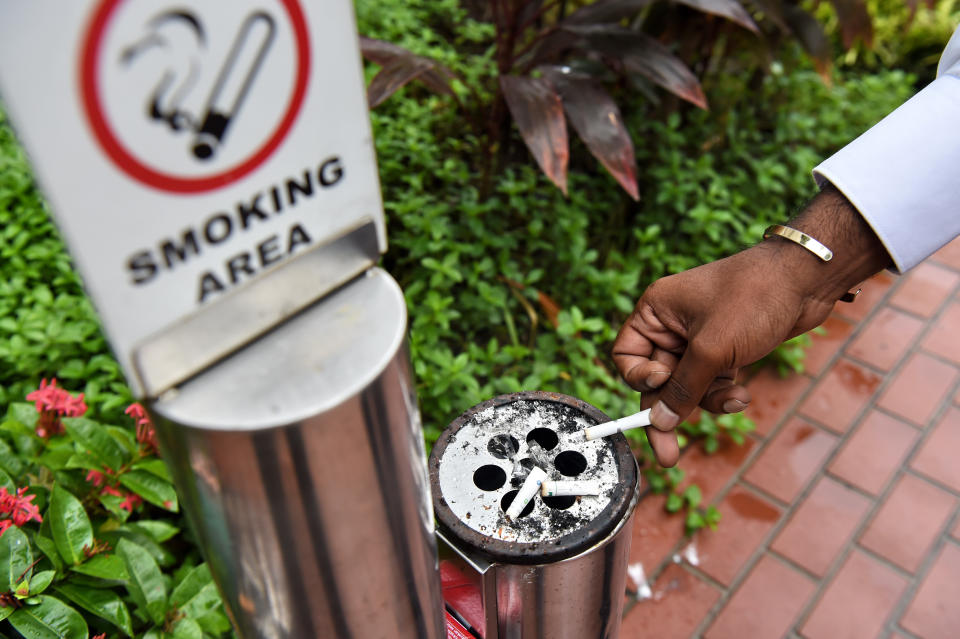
[508,499]
[570,463]
[559,503]
[489,477]
[547,438]
[503,446]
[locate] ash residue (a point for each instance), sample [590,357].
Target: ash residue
[515,436]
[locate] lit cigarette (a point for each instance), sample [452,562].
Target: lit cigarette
[570,488]
[617,426]
[527,491]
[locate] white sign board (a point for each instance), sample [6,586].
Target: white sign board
[188,147]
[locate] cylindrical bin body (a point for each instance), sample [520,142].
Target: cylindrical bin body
[301,467]
[559,570]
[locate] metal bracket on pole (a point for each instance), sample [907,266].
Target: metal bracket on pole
[181,351]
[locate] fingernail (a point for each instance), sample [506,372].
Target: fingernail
[733,406]
[657,378]
[663,418]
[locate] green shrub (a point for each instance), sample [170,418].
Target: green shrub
[105,556]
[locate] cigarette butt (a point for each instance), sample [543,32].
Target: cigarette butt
[570,488]
[530,487]
[617,426]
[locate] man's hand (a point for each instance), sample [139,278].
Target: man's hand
[690,333]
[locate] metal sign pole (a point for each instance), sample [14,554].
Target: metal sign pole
[211,168]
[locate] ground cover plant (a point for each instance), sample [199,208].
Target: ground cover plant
[510,286]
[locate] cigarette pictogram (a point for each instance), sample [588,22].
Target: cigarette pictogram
[239,70]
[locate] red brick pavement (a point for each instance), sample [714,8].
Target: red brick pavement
[841,514]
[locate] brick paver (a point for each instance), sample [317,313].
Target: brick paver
[925,289]
[773,396]
[841,515]
[679,602]
[874,452]
[934,613]
[857,602]
[765,605]
[840,395]
[937,458]
[821,526]
[942,338]
[748,519]
[909,522]
[918,388]
[885,338]
[791,459]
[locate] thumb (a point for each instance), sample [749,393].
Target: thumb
[686,387]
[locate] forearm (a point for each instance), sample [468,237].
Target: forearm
[834,222]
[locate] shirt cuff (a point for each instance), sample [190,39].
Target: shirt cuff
[903,175]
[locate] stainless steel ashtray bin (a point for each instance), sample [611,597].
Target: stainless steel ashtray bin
[559,569]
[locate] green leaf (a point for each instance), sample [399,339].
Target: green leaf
[156,466]
[692,495]
[24,413]
[197,594]
[187,629]
[9,461]
[7,482]
[103,603]
[674,502]
[153,489]
[94,438]
[40,581]
[6,611]
[112,504]
[69,525]
[695,521]
[105,567]
[146,583]
[159,530]
[23,437]
[49,619]
[711,444]
[49,549]
[15,558]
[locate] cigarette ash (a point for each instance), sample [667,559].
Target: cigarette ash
[492,454]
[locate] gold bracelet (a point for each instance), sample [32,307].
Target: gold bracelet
[811,245]
[800,238]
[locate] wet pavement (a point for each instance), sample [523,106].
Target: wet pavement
[841,513]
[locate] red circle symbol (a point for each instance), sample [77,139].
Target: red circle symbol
[128,163]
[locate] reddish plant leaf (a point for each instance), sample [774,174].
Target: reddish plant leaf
[854,21]
[393,76]
[811,36]
[380,51]
[550,307]
[597,120]
[606,11]
[645,56]
[538,112]
[730,9]
[397,63]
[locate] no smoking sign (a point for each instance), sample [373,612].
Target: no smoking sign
[187,148]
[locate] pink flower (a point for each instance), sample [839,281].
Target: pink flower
[131,501]
[146,434]
[53,403]
[96,478]
[102,635]
[18,506]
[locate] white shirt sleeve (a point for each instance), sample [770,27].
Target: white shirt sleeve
[903,175]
